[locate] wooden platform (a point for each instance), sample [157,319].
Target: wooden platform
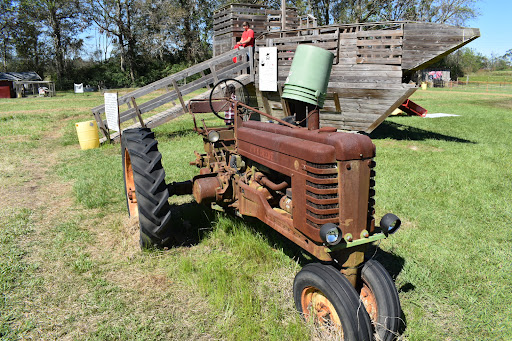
[373,66]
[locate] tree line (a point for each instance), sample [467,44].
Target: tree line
[136,42]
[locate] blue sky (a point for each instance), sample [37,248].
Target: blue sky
[495,30]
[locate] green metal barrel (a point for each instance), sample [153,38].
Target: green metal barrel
[309,75]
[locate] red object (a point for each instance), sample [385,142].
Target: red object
[5,91]
[412,108]
[248,34]
[236,47]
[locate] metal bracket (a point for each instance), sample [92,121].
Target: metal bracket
[361,241]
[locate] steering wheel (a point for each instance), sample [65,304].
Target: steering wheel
[229,88]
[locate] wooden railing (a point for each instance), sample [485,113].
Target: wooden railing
[209,72]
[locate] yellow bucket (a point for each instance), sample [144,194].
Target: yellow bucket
[88,134]
[423,86]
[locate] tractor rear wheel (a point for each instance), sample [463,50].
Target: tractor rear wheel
[380,298]
[325,297]
[145,188]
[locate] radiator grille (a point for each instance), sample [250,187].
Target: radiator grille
[322,202]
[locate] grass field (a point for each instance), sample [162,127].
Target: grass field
[70,266]
[491,76]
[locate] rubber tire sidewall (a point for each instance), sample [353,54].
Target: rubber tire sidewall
[354,319]
[150,188]
[378,280]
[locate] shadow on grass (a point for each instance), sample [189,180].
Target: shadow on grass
[185,132]
[195,221]
[398,131]
[191,223]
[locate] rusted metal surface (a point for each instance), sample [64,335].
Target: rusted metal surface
[317,307]
[348,146]
[350,261]
[204,189]
[262,179]
[203,106]
[370,302]
[314,120]
[324,188]
[253,203]
[133,209]
[286,204]
[354,186]
[329,173]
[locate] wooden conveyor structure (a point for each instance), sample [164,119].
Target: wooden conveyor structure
[372,74]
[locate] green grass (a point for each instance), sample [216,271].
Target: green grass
[70,266]
[491,76]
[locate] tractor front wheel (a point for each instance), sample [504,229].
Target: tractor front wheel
[325,297]
[146,192]
[380,298]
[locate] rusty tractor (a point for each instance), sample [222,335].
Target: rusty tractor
[313,185]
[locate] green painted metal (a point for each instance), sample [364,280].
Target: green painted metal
[357,242]
[309,75]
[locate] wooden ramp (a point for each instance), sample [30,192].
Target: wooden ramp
[149,98]
[176,111]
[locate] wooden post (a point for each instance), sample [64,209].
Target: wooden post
[178,92]
[284,103]
[214,72]
[266,105]
[202,76]
[129,107]
[101,125]
[283,15]
[337,101]
[139,114]
[251,63]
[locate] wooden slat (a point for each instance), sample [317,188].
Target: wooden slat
[379,42]
[168,97]
[172,113]
[379,33]
[162,83]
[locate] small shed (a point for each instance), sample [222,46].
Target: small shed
[17,84]
[436,77]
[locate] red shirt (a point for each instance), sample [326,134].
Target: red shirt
[248,34]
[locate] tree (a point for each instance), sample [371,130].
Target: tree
[117,18]
[7,29]
[32,50]
[60,20]
[453,12]
[456,12]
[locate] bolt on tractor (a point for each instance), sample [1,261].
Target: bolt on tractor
[315,186]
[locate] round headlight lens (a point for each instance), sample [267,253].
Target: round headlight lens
[213,136]
[330,234]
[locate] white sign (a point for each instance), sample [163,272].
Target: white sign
[267,69]
[79,88]
[112,110]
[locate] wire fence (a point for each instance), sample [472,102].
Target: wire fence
[475,86]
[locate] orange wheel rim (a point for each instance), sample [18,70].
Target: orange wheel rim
[130,186]
[370,302]
[317,307]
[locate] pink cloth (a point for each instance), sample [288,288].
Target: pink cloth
[229,114]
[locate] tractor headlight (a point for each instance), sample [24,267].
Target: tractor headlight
[330,234]
[390,223]
[213,136]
